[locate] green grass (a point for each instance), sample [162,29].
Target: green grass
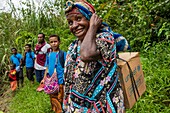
[28,100]
[156,99]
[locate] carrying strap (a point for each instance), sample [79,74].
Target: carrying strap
[55,63]
[55,70]
[29,55]
[38,50]
[134,86]
[61,56]
[17,58]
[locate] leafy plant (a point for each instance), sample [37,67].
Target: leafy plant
[145,24]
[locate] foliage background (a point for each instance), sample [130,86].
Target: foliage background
[145,24]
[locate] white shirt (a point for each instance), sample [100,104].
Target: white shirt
[43,51]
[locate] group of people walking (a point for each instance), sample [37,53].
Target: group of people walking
[33,60]
[42,60]
[87,74]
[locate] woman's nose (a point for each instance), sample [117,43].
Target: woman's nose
[75,24]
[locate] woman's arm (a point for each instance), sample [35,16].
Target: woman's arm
[89,51]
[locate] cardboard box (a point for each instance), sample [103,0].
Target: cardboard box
[133,60]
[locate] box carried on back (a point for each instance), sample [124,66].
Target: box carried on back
[131,77]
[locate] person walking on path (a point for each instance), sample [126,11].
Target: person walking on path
[17,59]
[91,78]
[29,62]
[55,61]
[40,57]
[13,78]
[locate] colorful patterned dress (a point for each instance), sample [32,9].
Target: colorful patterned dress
[93,87]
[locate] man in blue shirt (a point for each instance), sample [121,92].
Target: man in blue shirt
[29,62]
[16,59]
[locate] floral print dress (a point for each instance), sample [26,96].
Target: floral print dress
[93,87]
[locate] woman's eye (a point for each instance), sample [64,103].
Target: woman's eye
[78,18]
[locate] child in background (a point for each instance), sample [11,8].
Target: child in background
[13,77]
[55,61]
[16,58]
[29,62]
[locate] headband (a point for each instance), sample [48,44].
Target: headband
[85,8]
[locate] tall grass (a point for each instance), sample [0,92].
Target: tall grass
[155,62]
[21,25]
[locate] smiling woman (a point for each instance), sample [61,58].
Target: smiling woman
[78,25]
[91,79]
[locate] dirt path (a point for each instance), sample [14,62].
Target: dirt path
[5,98]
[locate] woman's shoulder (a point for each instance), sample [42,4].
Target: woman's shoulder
[105,33]
[105,36]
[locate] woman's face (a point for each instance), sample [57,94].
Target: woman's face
[78,25]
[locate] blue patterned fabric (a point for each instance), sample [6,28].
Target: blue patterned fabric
[121,42]
[93,86]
